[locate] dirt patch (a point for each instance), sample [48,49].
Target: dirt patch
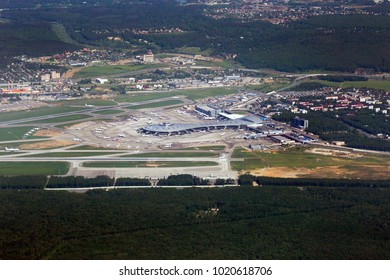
[281,172]
[47,145]
[71,72]
[152,164]
[367,172]
[47,133]
[335,153]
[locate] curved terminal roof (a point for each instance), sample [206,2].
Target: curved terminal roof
[176,128]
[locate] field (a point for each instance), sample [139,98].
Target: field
[169,224]
[33,168]
[70,118]
[108,112]
[13,133]
[39,112]
[195,51]
[82,102]
[156,105]
[268,87]
[213,148]
[174,154]
[374,84]
[224,64]
[72,154]
[107,70]
[88,147]
[314,163]
[151,164]
[193,94]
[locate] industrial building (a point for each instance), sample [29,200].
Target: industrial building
[300,123]
[207,110]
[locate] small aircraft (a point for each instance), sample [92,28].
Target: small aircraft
[11,149]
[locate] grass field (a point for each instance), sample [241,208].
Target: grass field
[156,104]
[374,84]
[107,70]
[205,148]
[267,87]
[62,119]
[150,164]
[82,102]
[108,112]
[193,94]
[33,168]
[13,133]
[297,162]
[72,154]
[62,34]
[173,155]
[68,124]
[195,51]
[224,64]
[38,112]
[88,147]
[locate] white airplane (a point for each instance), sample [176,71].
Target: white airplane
[11,149]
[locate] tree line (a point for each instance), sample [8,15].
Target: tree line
[41,182]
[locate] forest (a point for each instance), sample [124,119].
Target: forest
[248,180]
[250,223]
[332,42]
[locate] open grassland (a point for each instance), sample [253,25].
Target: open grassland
[374,84]
[252,223]
[173,154]
[107,70]
[193,94]
[267,87]
[156,104]
[299,162]
[66,125]
[33,168]
[108,112]
[89,147]
[71,154]
[13,133]
[195,51]
[151,164]
[223,64]
[205,148]
[82,102]
[38,112]
[70,118]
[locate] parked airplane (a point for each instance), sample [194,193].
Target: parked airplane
[11,149]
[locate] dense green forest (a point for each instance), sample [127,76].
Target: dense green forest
[248,180]
[32,39]
[251,223]
[332,42]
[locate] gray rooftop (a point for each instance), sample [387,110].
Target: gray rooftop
[169,128]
